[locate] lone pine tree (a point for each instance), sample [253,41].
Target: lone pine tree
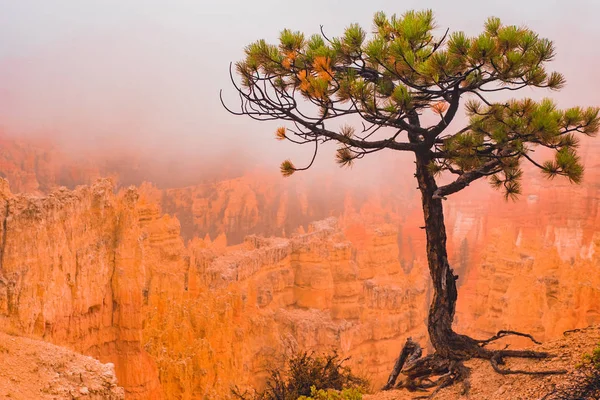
[405,85]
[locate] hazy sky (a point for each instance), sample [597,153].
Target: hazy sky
[149,72]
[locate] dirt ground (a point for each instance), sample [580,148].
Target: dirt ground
[486,384]
[32,369]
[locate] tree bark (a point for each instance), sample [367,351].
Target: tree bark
[445,341]
[409,353]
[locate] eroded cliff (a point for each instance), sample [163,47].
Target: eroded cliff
[72,272]
[109,275]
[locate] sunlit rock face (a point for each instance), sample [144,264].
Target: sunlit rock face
[108,275]
[73,273]
[532,265]
[253,303]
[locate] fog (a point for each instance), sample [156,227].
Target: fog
[142,78]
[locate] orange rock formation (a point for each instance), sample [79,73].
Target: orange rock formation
[107,274]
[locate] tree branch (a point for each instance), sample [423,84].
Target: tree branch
[466,178]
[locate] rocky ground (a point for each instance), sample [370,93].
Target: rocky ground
[32,369]
[485,384]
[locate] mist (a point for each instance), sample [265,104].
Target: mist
[140,80]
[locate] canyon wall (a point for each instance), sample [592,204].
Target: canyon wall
[533,265]
[263,203]
[72,272]
[246,308]
[187,305]
[108,275]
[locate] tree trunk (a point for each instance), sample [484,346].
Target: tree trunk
[445,341]
[450,347]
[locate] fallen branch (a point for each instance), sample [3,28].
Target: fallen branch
[409,353]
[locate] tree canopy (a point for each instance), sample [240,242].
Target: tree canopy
[405,83]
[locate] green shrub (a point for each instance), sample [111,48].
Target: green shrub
[322,377]
[593,359]
[331,394]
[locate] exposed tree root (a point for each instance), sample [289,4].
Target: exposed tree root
[567,333]
[502,334]
[419,372]
[498,359]
[457,372]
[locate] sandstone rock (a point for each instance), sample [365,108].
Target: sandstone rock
[109,275]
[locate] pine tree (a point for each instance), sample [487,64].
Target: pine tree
[395,79]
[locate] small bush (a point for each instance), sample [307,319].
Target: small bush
[331,394]
[311,377]
[593,359]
